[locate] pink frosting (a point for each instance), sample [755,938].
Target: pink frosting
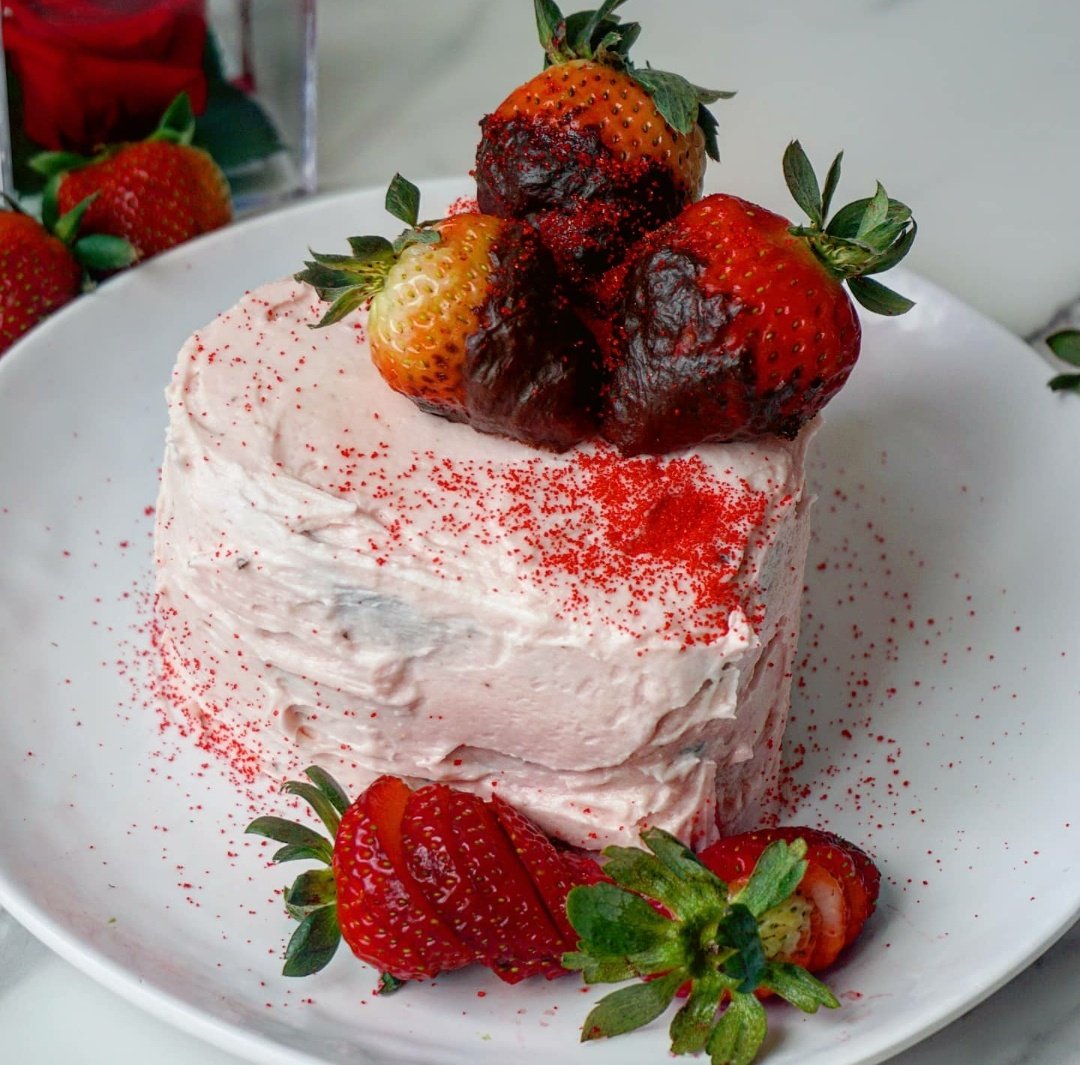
[344,579]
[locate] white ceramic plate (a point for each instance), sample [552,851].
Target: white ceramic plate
[934,720]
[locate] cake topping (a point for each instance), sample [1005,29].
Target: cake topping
[467,319]
[731,323]
[643,132]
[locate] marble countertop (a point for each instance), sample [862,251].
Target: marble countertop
[966,109]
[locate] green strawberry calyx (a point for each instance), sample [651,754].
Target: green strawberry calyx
[1065,344]
[347,282]
[94,252]
[668,919]
[600,35]
[312,897]
[868,236]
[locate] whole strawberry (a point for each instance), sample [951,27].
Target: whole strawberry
[466,318]
[38,274]
[43,264]
[752,917]
[732,323]
[154,193]
[594,152]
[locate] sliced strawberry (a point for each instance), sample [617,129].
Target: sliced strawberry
[522,939]
[852,867]
[551,875]
[436,863]
[840,893]
[384,916]
[823,891]
[712,945]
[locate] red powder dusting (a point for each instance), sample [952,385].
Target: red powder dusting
[635,525]
[602,536]
[178,685]
[463,205]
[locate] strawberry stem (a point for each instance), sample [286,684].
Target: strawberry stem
[347,282]
[311,899]
[868,236]
[177,125]
[600,36]
[1065,344]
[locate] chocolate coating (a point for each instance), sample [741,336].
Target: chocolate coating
[532,370]
[588,206]
[673,381]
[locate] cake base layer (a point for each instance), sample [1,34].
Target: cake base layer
[343,579]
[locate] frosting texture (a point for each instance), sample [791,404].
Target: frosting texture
[345,579]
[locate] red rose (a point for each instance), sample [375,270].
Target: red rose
[93,71]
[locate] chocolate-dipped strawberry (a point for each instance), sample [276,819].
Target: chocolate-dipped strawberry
[466,319]
[731,323]
[594,152]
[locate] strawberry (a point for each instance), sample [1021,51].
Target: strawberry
[549,870]
[594,151]
[748,918]
[461,856]
[852,867]
[421,882]
[522,938]
[731,323]
[42,264]
[382,908]
[366,896]
[836,895]
[38,274]
[466,320]
[154,193]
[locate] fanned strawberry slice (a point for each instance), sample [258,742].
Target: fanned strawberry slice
[852,867]
[437,864]
[383,913]
[522,939]
[839,890]
[550,873]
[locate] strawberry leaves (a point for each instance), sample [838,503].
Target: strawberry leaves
[1066,346]
[669,919]
[599,35]
[347,282]
[596,34]
[403,200]
[868,236]
[312,897]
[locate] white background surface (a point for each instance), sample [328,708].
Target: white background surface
[966,109]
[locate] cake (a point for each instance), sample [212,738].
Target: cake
[526,512]
[344,579]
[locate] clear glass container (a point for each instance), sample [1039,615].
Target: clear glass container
[78,74]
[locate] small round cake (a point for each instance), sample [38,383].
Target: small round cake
[344,579]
